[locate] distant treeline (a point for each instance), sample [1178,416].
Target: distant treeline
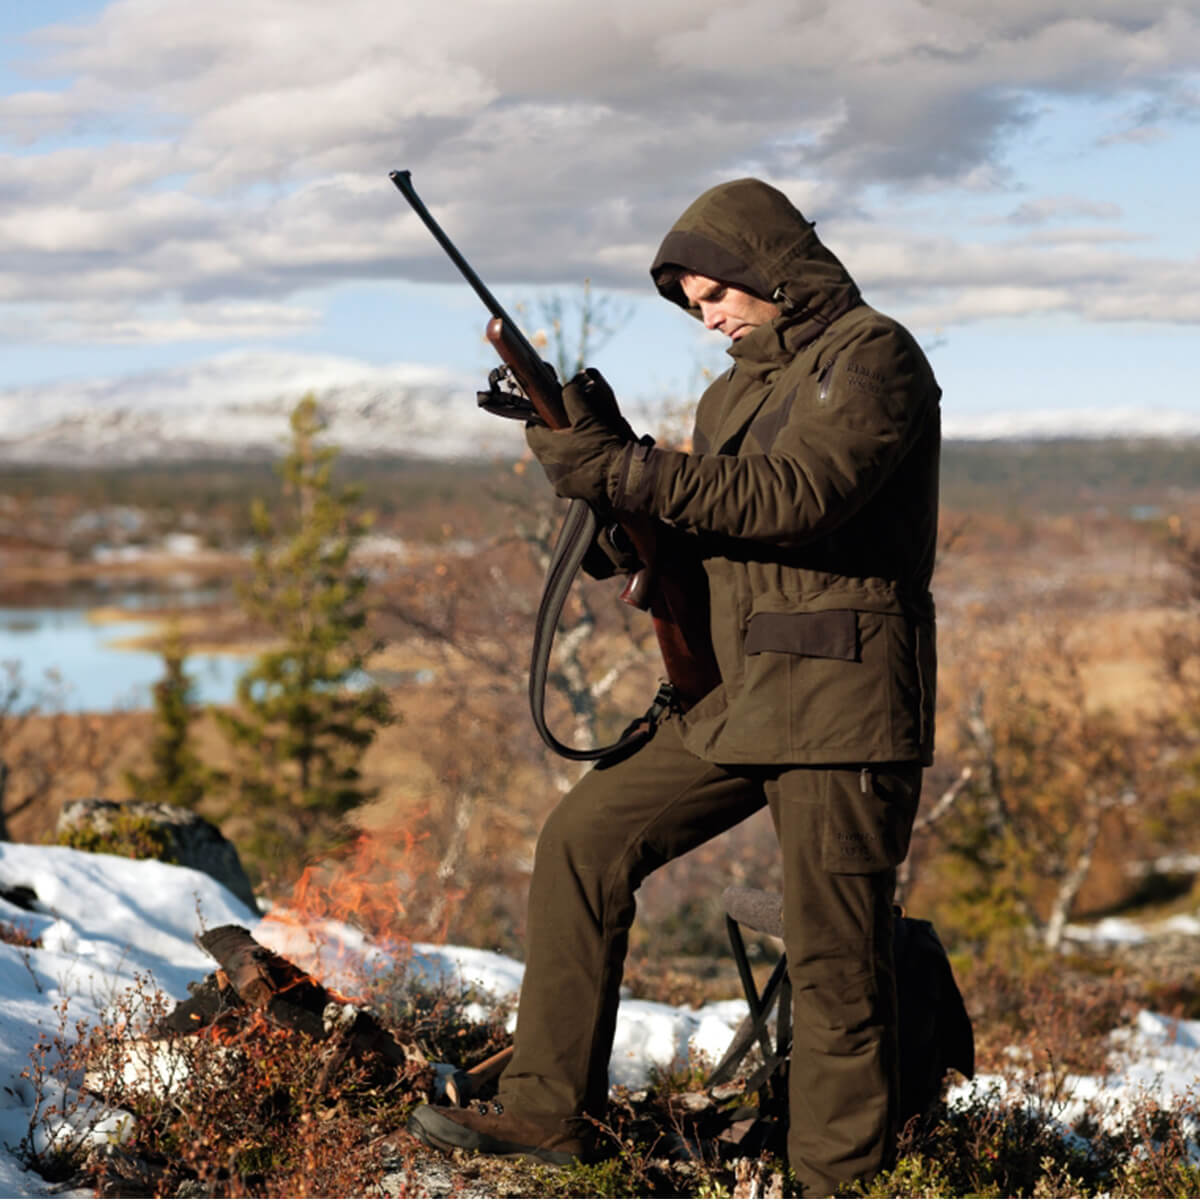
[1065,475]
[1060,475]
[386,482]
[418,499]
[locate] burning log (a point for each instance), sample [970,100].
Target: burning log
[251,976]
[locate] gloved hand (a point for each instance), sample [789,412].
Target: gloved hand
[579,460]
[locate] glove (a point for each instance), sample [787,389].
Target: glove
[580,459]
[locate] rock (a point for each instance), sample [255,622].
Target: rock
[21,896]
[187,838]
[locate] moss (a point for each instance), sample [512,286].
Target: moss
[127,835]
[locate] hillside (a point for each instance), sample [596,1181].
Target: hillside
[1036,475]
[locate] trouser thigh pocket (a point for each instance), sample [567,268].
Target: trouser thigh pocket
[868,816]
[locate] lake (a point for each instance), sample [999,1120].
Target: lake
[69,662]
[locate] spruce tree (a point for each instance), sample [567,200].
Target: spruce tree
[305,711]
[176,774]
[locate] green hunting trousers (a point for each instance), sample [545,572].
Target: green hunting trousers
[842,832]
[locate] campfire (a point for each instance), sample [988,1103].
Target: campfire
[261,1050]
[253,990]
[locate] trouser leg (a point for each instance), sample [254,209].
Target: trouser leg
[610,831]
[842,833]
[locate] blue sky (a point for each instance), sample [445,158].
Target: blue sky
[1018,186]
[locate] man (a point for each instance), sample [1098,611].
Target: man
[810,495]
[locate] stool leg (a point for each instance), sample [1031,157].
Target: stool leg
[754,1026]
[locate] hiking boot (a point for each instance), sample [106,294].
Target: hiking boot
[491,1130]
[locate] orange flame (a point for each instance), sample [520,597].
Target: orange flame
[352,902]
[362,884]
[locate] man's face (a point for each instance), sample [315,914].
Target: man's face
[726,308]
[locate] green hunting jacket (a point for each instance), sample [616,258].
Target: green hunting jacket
[810,493]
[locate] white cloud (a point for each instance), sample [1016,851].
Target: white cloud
[1042,209]
[932,282]
[232,154]
[117,324]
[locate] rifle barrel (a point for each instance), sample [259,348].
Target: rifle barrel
[403,181]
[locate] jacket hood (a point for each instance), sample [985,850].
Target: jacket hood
[749,234]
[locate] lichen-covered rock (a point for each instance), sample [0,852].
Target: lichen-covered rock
[143,829]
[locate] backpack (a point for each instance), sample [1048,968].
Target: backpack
[934,1030]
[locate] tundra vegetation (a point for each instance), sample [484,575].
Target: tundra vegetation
[380,735]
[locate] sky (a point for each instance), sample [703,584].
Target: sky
[1016,182]
[104,923]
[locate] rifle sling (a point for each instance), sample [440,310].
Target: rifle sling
[575,536]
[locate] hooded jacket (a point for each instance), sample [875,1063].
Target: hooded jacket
[810,495]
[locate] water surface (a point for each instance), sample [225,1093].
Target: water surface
[67,661]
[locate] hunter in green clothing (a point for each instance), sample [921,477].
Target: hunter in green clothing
[810,497]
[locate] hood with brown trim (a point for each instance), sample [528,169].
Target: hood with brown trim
[749,234]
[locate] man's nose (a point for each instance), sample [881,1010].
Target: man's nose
[711,316]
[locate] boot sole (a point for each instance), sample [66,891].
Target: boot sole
[444,1134]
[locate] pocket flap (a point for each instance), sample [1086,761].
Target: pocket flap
[832,634]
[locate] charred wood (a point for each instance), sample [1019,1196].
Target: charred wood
[252,977]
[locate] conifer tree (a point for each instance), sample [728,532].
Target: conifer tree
[305,712]
[176,774]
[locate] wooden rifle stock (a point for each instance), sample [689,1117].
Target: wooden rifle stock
[672,588]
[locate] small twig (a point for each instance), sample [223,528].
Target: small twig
[945,802]
[37,983]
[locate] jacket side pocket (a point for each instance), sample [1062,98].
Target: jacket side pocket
[830,634]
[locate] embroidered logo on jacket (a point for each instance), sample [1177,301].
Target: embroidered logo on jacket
[864,379]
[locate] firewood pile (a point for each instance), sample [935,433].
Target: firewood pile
[254,984]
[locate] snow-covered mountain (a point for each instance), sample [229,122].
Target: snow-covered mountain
[237,405]
[1046,424]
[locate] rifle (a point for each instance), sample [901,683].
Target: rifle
[672,588]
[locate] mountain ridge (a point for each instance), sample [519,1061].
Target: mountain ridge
[238,404]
